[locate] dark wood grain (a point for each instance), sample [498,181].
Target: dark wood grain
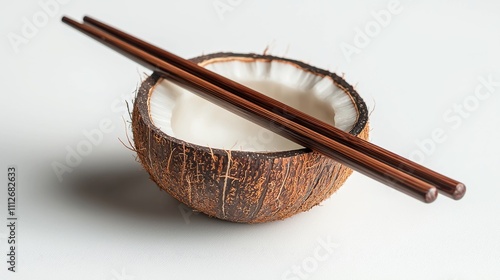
[279,118]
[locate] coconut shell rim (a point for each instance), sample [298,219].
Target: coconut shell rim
[147,86]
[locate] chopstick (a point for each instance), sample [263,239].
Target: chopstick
[444,184]
[305,136]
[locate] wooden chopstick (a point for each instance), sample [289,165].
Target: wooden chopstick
[296,132]
[444,185]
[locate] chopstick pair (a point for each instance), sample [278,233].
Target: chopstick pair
[362,156]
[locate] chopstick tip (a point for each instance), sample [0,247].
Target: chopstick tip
[431,195]
[67,20]
[459,191]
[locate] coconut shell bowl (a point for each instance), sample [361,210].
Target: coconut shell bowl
[224,166]
[230,168]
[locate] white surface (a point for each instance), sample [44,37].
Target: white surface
[106,220]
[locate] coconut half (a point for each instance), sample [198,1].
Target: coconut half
[227,167]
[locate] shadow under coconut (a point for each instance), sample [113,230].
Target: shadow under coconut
[122,197]
[129,191]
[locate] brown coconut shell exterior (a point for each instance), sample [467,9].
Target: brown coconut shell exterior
[239,186]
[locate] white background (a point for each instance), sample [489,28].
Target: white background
[106,220]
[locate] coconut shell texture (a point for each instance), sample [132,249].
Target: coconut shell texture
[239,186]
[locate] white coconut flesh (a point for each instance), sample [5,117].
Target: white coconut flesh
[183,115]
